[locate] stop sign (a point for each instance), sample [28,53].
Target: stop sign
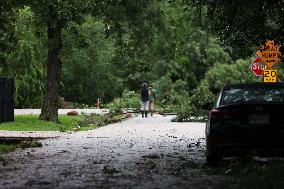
[257,67]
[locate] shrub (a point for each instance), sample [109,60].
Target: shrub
[62,103]
[172,104]
[129,100]
[30,144]
[116,106]
[215,78]
[95,119]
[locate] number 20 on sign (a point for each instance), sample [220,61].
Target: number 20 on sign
[270,76]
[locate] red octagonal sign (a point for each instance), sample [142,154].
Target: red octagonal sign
[257,67]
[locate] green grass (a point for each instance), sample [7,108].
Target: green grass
[5,148]
[32,123]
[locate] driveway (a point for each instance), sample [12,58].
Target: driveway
[136,153]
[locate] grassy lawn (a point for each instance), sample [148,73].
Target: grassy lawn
[31,123]
[5,148]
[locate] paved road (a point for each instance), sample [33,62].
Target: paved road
[136,153]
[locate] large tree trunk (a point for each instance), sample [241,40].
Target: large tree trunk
[49,110]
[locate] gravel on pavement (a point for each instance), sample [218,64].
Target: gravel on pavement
[137,153]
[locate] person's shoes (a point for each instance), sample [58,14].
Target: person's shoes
[146,114]
[142,113]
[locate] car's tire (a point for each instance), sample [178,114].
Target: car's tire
[213,159]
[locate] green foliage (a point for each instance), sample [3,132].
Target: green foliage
[58,13]
[26,60]
[171,96]
[9,146]
[31,123]
[191,110]
[5,148]
[241,27]
[6,31]
[183,53]
[116,106]
[222,74]
[215,79]
[129,100]
[101,120]
[62,104]
[94,119]
[87,51]
[110,46]
[30,144]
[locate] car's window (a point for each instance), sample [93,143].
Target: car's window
[267,94]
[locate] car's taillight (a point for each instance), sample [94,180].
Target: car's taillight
[215,113]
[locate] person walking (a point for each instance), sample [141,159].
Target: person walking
[152,98]
[145,93]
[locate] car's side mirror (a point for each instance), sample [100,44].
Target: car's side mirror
[207,106]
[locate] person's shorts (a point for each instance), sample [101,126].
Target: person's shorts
[151,105]
[145,105]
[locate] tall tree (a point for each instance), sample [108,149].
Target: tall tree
[6,32]
[56,14]
[26,59]
[87,50]
[244,25]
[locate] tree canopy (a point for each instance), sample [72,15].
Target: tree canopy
[83,50]
[244,25]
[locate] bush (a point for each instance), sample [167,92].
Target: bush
[30,144]
[173,104]
[115,107]
[94,119]
[190,113]
[129,100]
[72,105]
[216,77]
[190,109]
